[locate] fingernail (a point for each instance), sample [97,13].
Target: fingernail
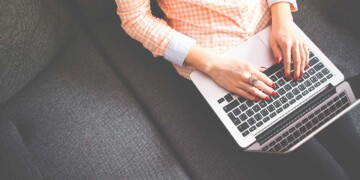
[278,59]
[263,67]
[256,100]
[273,85]
[296,78]
[301,74]
[287,76]
[307,66]
[273,93]
[267,98]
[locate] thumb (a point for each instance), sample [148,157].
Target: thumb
[277,52]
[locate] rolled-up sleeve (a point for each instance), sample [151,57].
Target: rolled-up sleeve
[154,33]
[293,3]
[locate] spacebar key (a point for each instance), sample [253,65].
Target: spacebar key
[231,106]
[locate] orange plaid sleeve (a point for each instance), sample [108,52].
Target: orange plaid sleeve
[138,21]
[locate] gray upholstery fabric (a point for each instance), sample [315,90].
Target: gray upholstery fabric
[31,34]
[76,120]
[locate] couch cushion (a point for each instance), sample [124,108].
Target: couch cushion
[31,34]
[77,120]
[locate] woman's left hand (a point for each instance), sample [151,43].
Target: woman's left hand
[286,42]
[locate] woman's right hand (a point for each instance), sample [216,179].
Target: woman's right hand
[234,75]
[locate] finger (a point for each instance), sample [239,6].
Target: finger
[265,88]
[253,90]
[245,94]
[297,61]
[286,49]
[277,52]
[264,78]
[307,56]
[303,60]
[260,68]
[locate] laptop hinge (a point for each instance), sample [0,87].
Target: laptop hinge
[294,116]
[355,85]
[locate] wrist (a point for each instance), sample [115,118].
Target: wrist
[202,59]
[281,13]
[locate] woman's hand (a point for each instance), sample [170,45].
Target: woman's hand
[232,74]
[285,41]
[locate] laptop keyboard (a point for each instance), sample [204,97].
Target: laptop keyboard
[308,125]
[248,115]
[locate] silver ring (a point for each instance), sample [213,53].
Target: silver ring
[253,80]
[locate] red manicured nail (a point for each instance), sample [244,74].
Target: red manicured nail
[301,74]
[296,78]
[267,98]
[263,67]
[273,93]
[287,76]
[256,100]
[278,59]
[273,85]
[307,66]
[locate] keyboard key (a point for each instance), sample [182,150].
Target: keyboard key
[231,106]
[313,79]
[231,116]
[283,100]
[295,91]
[271,108]
[327,112]
[306,75]
[332,108]
[272,144]
[287,87]
[318,66]
[292,129]
[305,120]
[293,83]
[311,88]
[277,104]
[323,107]
[243,126]
[262,104]
[236,121]
[317,84]
[313,61]
[256,108]
[298,97]
[308,125]
[258,117]
[221,100]
[251,121]
[245,133]
[272,114]
[296,133]
[323,80]
[311,54]
[307,83]
[243,117]
[290,138]
[273,78]
[252,129]
[279,74]
[315,120]
[292,101]
[250,112]
[344,100]
[284,143]
[286,105]
[281,91]
[228,97]
[279,110]
[264,112]
[265,148]
[249,103]
[285,134]
[281,82]
[329,76]
[277,147]
[259,124]
[325,71]
[305,93]
[319,75]
[298,125]
[243,107]
[241,99]
[236,111]
[266,119]
[289,95]
[278,139]
[302,129]
[311,71]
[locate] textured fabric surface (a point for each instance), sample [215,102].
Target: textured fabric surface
[78,121]
[31,34]
[207,149]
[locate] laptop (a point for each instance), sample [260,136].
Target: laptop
[301,108]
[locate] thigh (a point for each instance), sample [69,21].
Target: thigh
[343,141]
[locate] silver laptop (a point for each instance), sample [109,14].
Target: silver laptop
[299,111]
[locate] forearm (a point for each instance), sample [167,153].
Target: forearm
[201,58]
[280,12]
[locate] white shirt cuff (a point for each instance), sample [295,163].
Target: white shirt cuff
[292,2]
[178,48]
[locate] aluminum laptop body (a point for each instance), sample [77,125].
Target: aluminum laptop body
[300,110]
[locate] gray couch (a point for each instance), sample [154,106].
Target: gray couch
[81,100]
